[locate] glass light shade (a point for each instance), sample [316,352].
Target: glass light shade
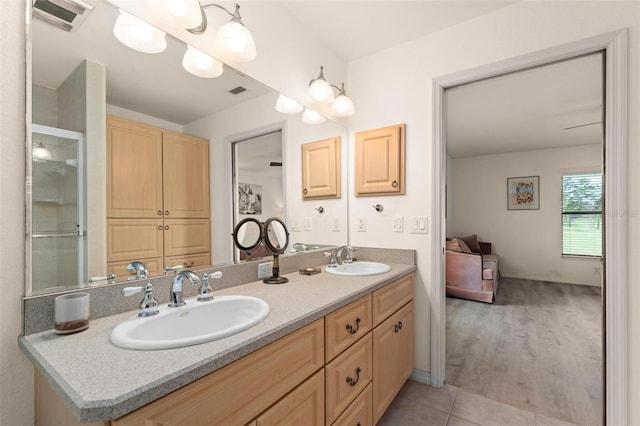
[287,106]
[321,91]
[201,64]
[235,42]
[342,106]
[40,153]
[188,12]
[312,117]
[135,33]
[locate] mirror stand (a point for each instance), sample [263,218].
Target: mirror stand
[276,278]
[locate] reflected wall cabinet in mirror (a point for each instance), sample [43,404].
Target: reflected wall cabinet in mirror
[157,198]
[321,169]
[380,161]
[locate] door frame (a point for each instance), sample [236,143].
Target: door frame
[614,288]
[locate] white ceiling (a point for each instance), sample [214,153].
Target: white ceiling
[527,110]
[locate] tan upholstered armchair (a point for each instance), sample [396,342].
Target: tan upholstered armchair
[471,275]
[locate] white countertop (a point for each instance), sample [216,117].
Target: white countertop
[100,381]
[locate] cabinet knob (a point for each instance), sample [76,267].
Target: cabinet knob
[394,183]
[166,212]
[159,212]
[189,265]
[351,381]
[397,327]
[304,191]
[159,227]
[353,330]
[166,227]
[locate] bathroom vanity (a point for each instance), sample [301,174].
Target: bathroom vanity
[333,350]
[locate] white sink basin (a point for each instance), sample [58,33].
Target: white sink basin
[192,324]
[359,269]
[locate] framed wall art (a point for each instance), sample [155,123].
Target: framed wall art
[523,193]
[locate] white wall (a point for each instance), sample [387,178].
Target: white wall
[251,119]
[527,241]
[16,372]
[395,86]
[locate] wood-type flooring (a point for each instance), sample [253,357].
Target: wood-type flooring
[538,347]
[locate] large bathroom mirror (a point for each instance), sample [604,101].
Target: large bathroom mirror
[81,77]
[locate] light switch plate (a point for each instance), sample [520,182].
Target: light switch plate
[336,224]
[294,225]
[307,224]
[362,224]
[419,225]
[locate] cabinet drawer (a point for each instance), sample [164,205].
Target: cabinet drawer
[347,376]
[303,406]
[347,325]
[186,236]
[190,261]
[238,392]
[131,239]
[360,410]
[154,266]
[389,299]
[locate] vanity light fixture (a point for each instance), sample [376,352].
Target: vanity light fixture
[137,34]
[233,40]
[188,12]
[40,153]
[201,64]
[321,91]
[312,117]
[287,105]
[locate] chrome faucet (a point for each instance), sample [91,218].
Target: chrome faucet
[333,260]
[139,268]
[206,292]
[348,258]
[149,305]
[300,247]
[176,293]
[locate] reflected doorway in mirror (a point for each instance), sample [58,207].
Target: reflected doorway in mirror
[249,198]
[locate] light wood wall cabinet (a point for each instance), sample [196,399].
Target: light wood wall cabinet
[309,377]
[380,161]
[157,196]
[321,169]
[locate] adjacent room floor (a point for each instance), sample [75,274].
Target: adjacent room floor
[532,358]
[537,347]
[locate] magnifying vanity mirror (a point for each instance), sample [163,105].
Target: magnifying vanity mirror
[272,234]
[83,79]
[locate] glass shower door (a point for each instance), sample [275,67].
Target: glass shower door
[57,210]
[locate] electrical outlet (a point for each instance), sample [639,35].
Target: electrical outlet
[419,225]
[398,224]
[307,224]
[265,270]
[362,224]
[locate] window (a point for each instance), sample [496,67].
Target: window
[582,214]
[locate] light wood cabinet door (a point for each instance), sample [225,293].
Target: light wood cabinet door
[347,325]
[134,169]
[389,299]
[133,239]
[360,412]
[380,161]
[186,236]
[392,347]
[321,169]
[303,406]
[348,375]
[237,393]
[185,176]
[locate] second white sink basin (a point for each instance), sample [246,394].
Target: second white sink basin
[359,269]
[192,324]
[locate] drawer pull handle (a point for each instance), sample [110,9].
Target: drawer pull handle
[353,330]
[398,327]
[351,381]
[189,265]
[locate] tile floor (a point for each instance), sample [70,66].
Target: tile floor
[419,404]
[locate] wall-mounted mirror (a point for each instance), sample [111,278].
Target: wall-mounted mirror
[80,77]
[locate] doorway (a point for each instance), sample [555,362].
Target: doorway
[615,279]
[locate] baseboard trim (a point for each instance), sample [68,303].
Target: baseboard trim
[421,376]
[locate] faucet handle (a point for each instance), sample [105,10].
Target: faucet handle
[110,278]
[173,269]
[149,306]
[333,260]
[349,258]
[206,292]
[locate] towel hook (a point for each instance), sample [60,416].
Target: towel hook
[378,207]
[320,209]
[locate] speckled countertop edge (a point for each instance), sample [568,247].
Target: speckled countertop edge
[99,381]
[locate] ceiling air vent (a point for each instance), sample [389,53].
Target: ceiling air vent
[66,15]
[237,90]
